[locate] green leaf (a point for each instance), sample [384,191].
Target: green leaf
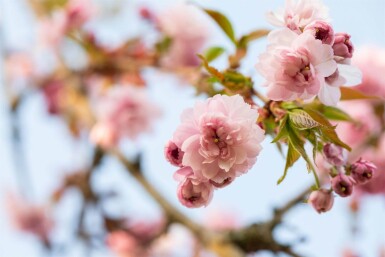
[352,94]
[334,113]
[318,117]
[213,53]
[302,120]
[330,135]
[291,158]
[282,132]
[254,35]
[223,23]
[298,144]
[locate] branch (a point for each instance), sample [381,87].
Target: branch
[172,213]
[259,236]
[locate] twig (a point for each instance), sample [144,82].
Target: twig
[172,213]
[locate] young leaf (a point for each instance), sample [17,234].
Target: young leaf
[213,53]
[223,22]
[334,113]
[298,145]
[291,158]
[254,35]
[330,135]
[302,120]
[282,132]
[352,94]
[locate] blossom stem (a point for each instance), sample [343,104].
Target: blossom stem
[260,96]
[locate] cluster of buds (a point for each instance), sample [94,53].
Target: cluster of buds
[344,177]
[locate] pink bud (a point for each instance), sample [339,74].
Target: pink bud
[321,30]
[335,154]
[342,185]
[104,135]
[342,46]
[173,154]
[192,192]
[362,171]
[321,200]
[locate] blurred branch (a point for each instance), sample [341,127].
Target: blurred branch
[259,236]
[172,213]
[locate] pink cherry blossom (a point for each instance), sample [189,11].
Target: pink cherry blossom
[363,171]
[343,46]
[52,29]
[321,30]
[127,110]
[221,220]
[192,192]
[79,12]
[220,138]
[29,218]
[123,244]
[173,154]
[321,200]
[297,14]
[371,60]
[342,185]
[295,66]
[335,155]
[367,123]
[104,135]
[183,24]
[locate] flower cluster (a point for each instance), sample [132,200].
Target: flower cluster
[123,111]
[344,177]
[306,58]
[217,141]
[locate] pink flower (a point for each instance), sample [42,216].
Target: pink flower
[29,218]
[186,43]
[104,135]
[367,123]
[321,200]
[297,14]
[173,154]
[345,75]
[221,220]
[220,138]
[53,95]
[342,46]
[295,66]
[192,192]
[52,29]
[127,111]
[79,12]
[335,154]
[342,185]
[124,244]
[362,171]
[371,60]
[321,30]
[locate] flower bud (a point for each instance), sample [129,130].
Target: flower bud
[342,46]
[192,192]
[335,154]
[362,171]
[342,185]
[321,200]
[322,31]
[173,154]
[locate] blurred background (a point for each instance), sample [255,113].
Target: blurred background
[48,151]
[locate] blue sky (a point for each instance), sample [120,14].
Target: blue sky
[49,154]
